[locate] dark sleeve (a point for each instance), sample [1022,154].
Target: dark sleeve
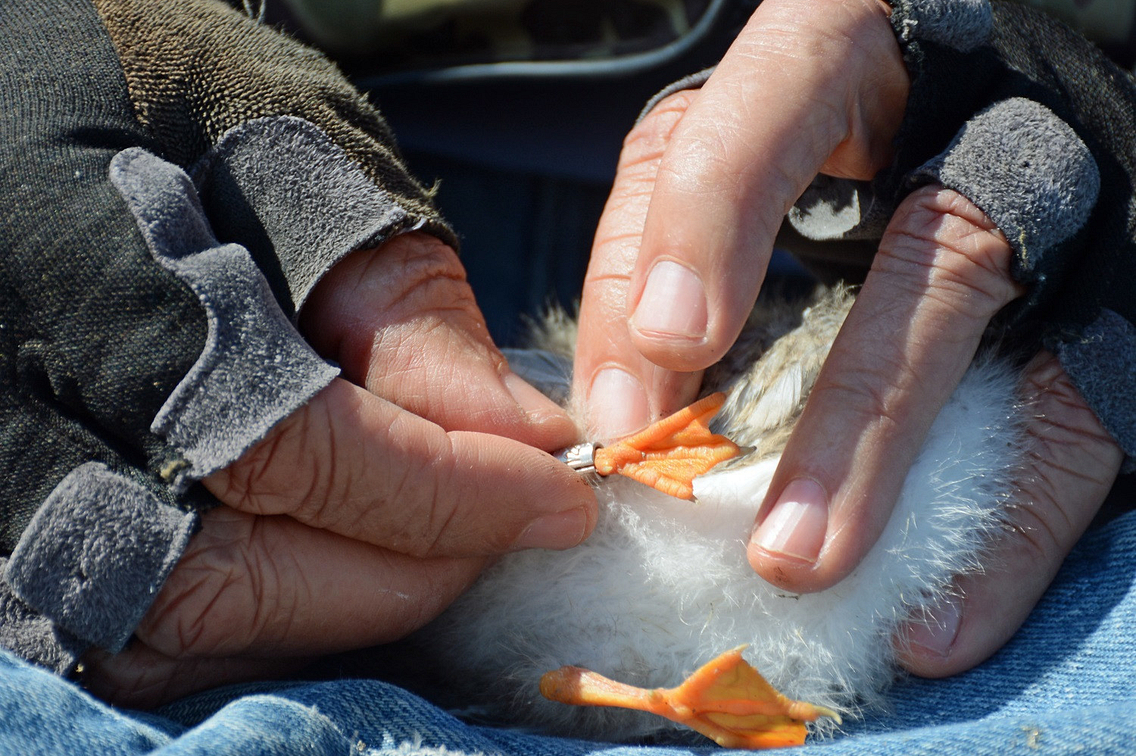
[291,161]
[175,178]
[1037,127]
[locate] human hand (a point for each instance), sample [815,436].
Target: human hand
[1070,467]
[362,515]
[941,273]
[702,186]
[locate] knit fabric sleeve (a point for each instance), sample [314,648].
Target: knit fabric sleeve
[268,128]
[175,179]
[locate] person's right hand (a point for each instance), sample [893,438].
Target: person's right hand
[362,515]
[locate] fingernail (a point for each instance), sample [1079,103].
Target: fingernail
[673,303]
[937,630]
[529,397]
[562,530]
[617,404]
[798,522]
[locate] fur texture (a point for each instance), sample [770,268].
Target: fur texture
[663,585]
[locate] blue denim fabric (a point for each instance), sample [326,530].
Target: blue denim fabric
[1066,684]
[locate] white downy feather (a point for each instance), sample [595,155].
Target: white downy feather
[663,585]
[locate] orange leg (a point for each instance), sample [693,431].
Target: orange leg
[670,454]
[726,700]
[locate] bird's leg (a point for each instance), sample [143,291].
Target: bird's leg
[670,454]
[726,700]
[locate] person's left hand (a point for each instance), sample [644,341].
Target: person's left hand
[941,273]
[702,186]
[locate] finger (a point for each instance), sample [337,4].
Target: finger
[271,586]
[142,678]
[402,322]
[805,84]
[357,465]
[941,273]
[624,391]
[1073,463]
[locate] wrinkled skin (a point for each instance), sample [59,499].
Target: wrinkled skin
[702,185]
[390,477]
[362,515]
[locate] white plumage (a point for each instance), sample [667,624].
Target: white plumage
[663,585]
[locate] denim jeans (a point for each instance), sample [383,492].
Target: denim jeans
[1066,683]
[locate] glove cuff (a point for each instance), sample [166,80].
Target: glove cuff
[1028,171]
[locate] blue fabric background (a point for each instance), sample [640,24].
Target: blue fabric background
[1066,684]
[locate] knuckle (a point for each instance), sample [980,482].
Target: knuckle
[437,527]
[1070,466]
[1042,530]
[708,163]
[313,490]
[426,267]
[212,602]
[267,479]
[418,508]
[410,274]
[871,391]
[379,289]
[249,477]
[448,530]
[939,241]
[454,513]
[1070,450]
[648,139]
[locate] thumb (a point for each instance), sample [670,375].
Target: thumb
[808,84]
[356,465]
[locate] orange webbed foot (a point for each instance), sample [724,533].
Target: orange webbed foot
[727,700]
[670,454]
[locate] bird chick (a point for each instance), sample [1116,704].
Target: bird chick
[663,585]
